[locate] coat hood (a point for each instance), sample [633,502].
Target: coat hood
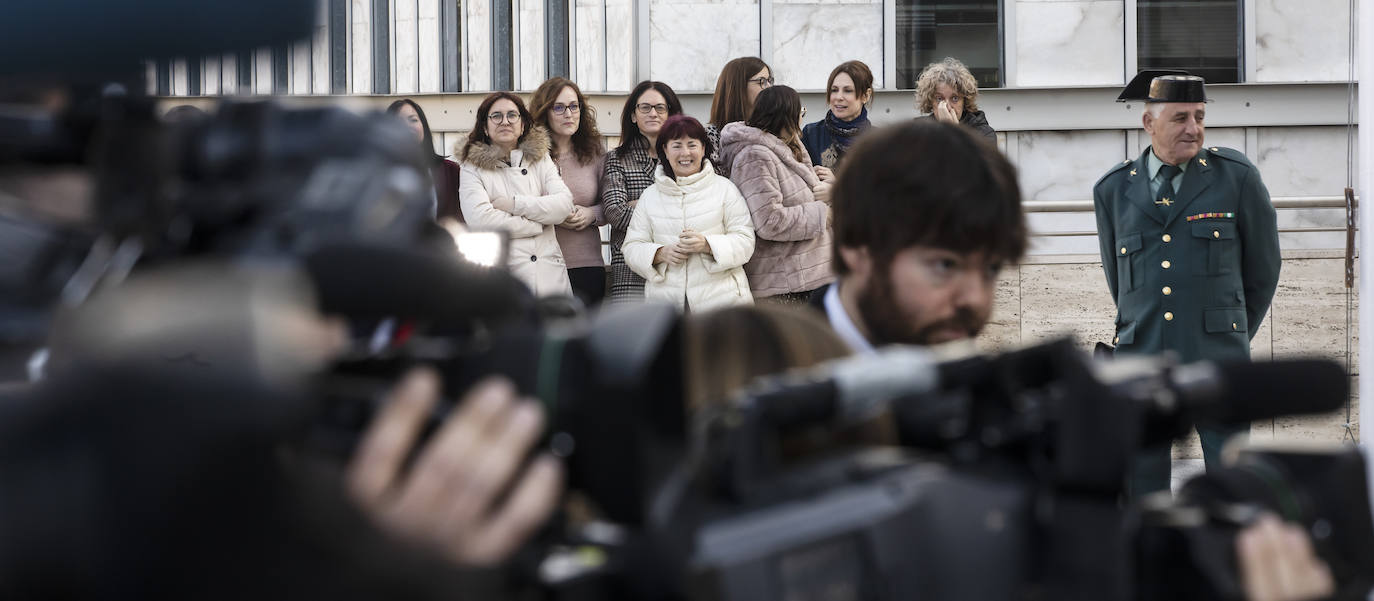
[534,146]
[737,136]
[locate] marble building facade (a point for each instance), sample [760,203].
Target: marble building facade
[1062,64]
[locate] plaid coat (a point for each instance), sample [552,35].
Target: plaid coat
[627,174]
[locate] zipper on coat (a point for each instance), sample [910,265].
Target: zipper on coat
[682,206]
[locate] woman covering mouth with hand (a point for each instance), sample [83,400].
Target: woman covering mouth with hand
[947,91]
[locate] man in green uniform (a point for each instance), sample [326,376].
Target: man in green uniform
[1190,247]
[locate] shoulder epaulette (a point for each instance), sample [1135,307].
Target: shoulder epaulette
[1115,168]
[1229,154]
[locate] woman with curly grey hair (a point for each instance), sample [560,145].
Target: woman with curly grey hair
[947,91]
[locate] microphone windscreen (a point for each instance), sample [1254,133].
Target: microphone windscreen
[1261,390]
[377,281]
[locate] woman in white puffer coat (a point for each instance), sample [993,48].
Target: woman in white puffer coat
[691,232]
[509,183]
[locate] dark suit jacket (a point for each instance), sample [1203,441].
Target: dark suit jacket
[817,299]
[1199,279]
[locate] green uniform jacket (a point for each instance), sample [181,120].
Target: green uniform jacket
[1198,280]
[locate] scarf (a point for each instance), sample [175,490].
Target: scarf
[842,135]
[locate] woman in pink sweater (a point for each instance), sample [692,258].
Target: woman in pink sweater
[789,204]
[560,107]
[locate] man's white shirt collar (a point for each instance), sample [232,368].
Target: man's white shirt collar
[841,322]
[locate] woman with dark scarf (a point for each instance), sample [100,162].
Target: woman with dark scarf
[850,88]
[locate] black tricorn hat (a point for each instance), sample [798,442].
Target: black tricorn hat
[1164,86]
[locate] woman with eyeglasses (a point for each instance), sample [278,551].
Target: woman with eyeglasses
[691,233]
[738,85]
[789,203]
[443,172]
[947,91]
[848,92]
[510,183]
[559,106]
[630,171]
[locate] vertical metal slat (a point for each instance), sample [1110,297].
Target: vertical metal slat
[381,47]
[502,63]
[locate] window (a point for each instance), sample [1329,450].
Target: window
[969,30]
[1202,37]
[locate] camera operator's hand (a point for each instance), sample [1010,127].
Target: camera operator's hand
[1277,563]
[466,495]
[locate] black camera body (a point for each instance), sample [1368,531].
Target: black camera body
[1012,486]
[900,529]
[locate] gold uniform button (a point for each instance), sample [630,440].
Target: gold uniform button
[1168,316]
[1216,234]
[1234,326]
[1165,264]
[1168,238]
[1116,340]
[1123,250]
[1168,291]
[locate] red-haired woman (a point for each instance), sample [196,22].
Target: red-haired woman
[691,233]
[510,183]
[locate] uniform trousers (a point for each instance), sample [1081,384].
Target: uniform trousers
[1151,471]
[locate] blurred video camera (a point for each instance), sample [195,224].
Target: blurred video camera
[195,229]
[1010,480]
[1007,484]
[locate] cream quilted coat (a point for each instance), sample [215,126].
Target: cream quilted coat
[711,205]
[525,197]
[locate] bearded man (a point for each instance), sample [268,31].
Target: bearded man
[926,215]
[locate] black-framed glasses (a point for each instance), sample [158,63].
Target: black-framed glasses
[509,117]
[573,108]
[645,108]
[762,82]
